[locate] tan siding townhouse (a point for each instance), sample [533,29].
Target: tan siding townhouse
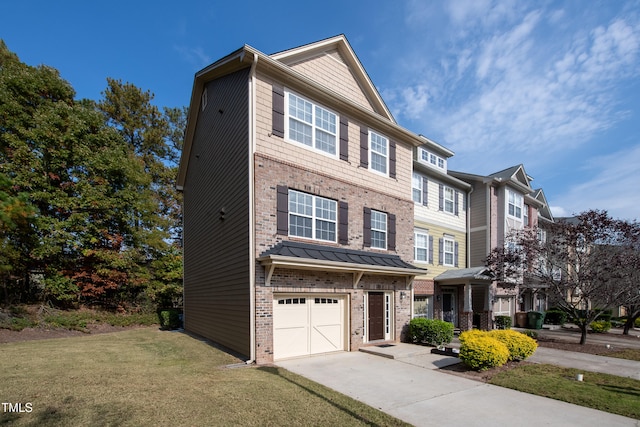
[298,209]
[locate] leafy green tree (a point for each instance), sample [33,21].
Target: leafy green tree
[155,140]
[87,194]
[79,177]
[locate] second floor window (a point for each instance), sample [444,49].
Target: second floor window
[312,217]
[421,246]
[449,252]
[378,230]
[312,125]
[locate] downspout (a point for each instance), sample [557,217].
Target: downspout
[469,303]
[252,212]
[469,227]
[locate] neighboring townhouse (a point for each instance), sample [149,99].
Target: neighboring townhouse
[499,203]
[532,296]
[440,237]
[298,210]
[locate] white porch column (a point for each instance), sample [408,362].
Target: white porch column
[467,298]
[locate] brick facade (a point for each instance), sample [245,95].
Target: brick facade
[271,172]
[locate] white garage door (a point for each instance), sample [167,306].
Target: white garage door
[307,324]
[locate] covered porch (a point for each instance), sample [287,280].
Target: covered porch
[463,297]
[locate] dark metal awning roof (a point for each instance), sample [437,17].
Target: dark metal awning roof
[475,274]
[306,256]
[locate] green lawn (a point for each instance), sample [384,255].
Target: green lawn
[148,377]
[609,393]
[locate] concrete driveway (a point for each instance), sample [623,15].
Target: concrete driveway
[410,388]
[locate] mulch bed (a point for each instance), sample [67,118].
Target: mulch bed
[463,370]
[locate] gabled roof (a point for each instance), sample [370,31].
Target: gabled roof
[339,43]
[545,210]
[275,66]
[513,174]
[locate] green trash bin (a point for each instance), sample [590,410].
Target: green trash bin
[535,319]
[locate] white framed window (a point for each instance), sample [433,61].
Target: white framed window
[378,230]
[449,200]
[515,204]
[387,316]
[421,246]
[311,124]
[448,252]
[416,188]
[312,217]
[423,306]
[502,307]
[431,159]
[525,215]
[378,153]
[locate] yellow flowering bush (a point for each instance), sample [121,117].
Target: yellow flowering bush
[520,346]
[479,351]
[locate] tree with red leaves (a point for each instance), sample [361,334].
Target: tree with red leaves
[587,264]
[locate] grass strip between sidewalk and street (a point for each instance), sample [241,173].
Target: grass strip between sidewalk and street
[609,393]
[148,377]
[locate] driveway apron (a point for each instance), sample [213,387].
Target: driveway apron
[418,394]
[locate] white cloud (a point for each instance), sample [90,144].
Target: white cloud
[193,55]
[611,184]
[522,81]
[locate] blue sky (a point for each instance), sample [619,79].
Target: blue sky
[554,85]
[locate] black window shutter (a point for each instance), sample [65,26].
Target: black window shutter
[440,251]
[366,232]
[392,159]
[430,249]
[344,139]
[441,197]
[456,203]
[364,147]
[455,254]
[282,208]
[391,227]
[278,111]
[425,191]
[343,223]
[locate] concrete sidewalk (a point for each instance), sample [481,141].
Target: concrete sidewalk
[587,362]
[406,384]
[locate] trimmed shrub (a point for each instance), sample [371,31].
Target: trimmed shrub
[503,322]
[169,318]
[430,331]
[417,328]
[479,351]
[520,346]
[555,317]
[600,326]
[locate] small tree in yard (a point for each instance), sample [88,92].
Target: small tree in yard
[584,262]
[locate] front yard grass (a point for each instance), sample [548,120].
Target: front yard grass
[147,377]
[609,393]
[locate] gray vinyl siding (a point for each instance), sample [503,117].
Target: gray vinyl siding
[478,206]
[478,250]
[216,250]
